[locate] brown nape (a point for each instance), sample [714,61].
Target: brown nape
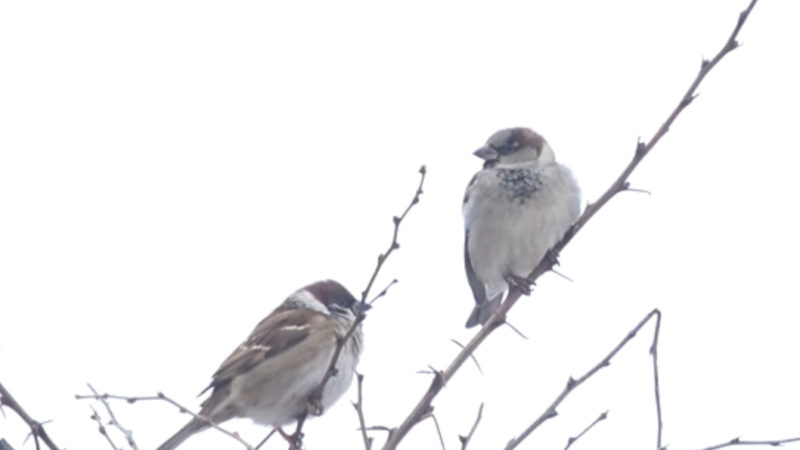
[528,137]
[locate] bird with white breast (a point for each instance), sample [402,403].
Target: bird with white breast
[271,375]
[515,210]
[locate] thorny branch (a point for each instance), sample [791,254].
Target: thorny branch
[314,398]
[572,383]
[161,397]
[603,416]
[37,430]
[619,185]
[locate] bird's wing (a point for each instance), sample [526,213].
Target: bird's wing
[277,333]
[478,290]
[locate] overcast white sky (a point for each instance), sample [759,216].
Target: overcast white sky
[171,171]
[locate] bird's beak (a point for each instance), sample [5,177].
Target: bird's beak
[364,307]
[486,153]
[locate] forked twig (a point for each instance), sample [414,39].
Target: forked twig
[572,383]
[316,395]
[161,397]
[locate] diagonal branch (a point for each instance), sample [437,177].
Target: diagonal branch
[37,430]
[572,383]
[572,440]
[619,185]
[316,395]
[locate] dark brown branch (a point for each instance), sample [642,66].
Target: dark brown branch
[316,395]
[572,383]
[465,439]
[736,442]
[161,397]
[574,439]
[619,185]
[37,430]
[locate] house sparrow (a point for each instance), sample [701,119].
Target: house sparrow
[270,376]
[515,210]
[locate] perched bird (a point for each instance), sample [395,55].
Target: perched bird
[515,210]
[270,376]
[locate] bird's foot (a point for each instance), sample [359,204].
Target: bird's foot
[521,283]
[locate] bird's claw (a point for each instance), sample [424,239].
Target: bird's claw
[521,283]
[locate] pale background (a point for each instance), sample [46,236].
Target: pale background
[171,171]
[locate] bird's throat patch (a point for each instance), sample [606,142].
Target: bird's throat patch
[519,183]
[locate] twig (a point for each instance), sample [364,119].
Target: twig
[656,384]
[359,406]
[619,185]
[5,445]
[572,383]
[438,430]
[383,292]
[472,356]
[316,395]
[101,428]
[161,397]
[37,430]
[465,439]
[113,420]
[574,439]
[264,441]
[737,441]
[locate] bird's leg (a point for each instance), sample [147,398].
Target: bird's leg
[521,283]
[552,257]
[295,439]
[314,406]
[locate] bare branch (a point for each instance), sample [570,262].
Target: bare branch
[572,383]
[465,439]
[113,420]
[736,442]
[359,406]
[383,292]
[161,397]
[101,428]
[37,430]
[574,439]
[316,395]
[619,185]
[264,441]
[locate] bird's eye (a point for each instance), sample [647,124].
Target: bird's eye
[504,149]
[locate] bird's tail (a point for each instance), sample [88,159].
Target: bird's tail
[194,426]
[482,311]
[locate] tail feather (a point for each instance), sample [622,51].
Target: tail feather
[482,311]
[194,426]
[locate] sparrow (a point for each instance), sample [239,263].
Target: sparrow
[515,210]
[271,375]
